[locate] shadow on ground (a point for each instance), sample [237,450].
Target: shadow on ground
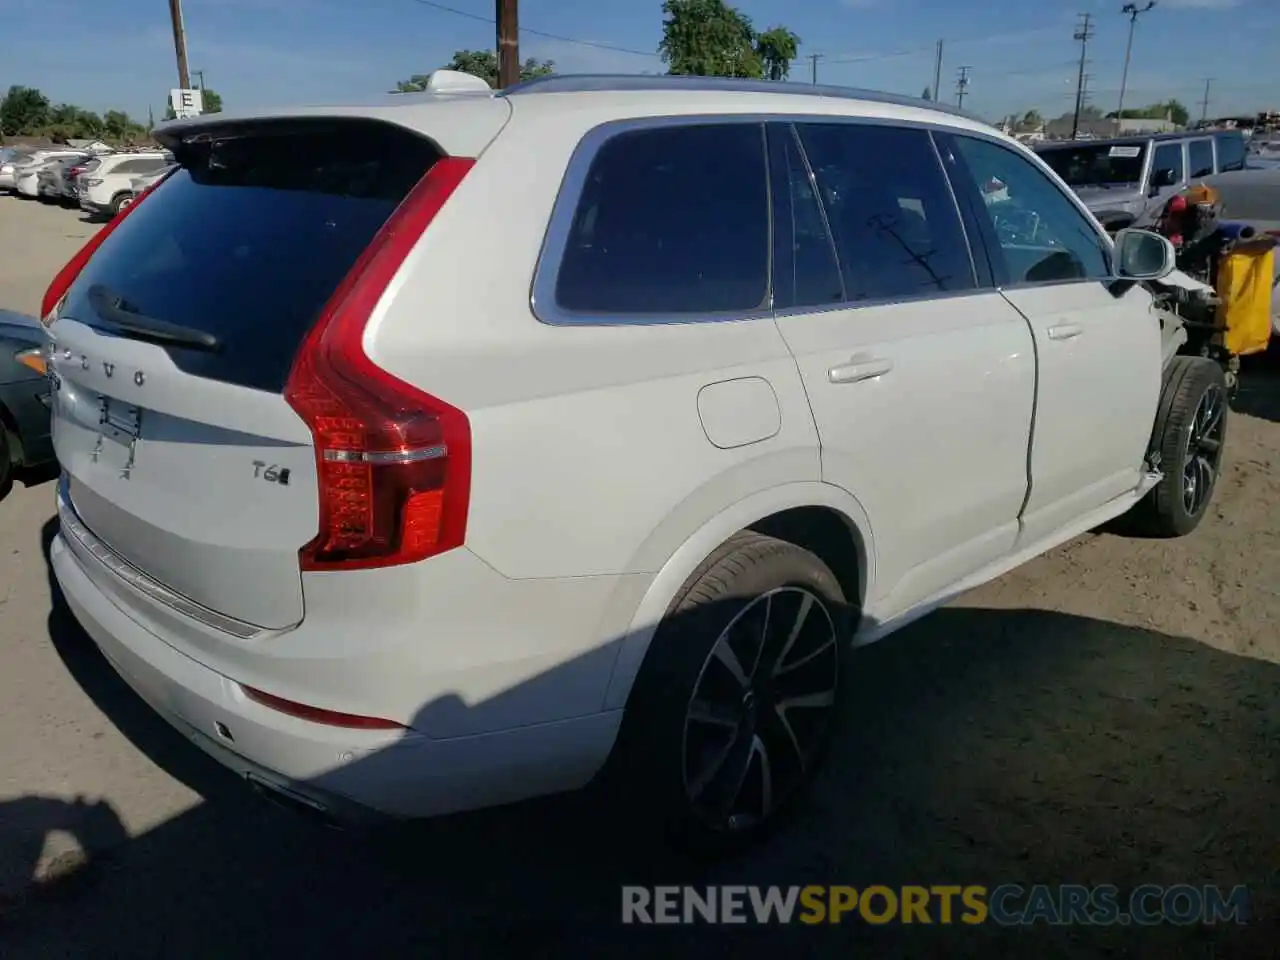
[979,747]
[1259,394]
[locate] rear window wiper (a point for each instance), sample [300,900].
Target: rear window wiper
[115,310]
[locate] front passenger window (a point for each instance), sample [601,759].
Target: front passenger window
[1043,236]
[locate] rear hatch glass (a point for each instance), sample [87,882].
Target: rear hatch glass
[173,346]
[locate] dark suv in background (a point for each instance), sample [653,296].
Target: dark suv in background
[1127,181]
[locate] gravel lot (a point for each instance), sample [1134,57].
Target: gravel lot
[1107,714]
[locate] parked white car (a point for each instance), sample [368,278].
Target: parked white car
[9,158]
[139,184]
[26,173]
[402,494]
[108,190]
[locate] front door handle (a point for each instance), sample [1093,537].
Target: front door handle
[1065,331]
[860,368]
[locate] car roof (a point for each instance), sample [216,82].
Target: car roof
[1134,140]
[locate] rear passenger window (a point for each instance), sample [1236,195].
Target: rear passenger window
[1200,157]
[1168,157]
[1231,152]
[1042,235]
[672,220]
[896,228]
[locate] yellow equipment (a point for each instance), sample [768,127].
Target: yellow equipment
[1244,286]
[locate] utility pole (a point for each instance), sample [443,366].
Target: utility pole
[508,43]
[962,85]
[180,43]
[813,67]
[1084,33]
[1204,104]
[200,74]
[937,74]
[1132,10]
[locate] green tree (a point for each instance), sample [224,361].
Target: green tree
[478,63]
[928,94]
[1031,120]
[212,101]
[24,110]
[116,124]
[708,38]
[776,48]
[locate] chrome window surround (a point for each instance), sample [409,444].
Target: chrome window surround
[542,301]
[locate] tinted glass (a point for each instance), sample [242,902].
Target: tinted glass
[672,220]
[1042,235]
[1168,156]
[1095,165]
[1200,157]
[1231,151]
[892,215]
[806,272]
[250,239]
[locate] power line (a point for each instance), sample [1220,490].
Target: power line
[491,21]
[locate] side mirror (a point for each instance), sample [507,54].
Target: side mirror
[1143,255]
[1165,177]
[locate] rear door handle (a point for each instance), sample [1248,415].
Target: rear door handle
[859,369]
[1065,331]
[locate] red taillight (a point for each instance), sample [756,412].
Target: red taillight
[394,463]
[331,718]
[67,275]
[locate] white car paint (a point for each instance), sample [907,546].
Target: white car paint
[110,182]
[955,438]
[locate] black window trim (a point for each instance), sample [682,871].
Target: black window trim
[542,293]
[1003,281]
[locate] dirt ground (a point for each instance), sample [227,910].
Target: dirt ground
[1105,715]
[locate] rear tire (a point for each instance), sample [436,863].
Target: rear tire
[737,698]
[1190,436]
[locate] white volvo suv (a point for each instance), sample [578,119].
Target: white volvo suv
[428,454]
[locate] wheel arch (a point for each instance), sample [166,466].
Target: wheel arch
[818,516]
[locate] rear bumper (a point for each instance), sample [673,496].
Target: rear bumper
[350,775]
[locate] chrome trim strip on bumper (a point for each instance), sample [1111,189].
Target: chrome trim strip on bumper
[135,578]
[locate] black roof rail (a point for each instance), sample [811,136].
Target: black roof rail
[628,83]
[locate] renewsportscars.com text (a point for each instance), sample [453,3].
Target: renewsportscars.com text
[1005,905]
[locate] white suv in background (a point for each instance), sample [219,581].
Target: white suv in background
[108,189]
[426,454]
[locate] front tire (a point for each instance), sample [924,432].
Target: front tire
[1190,435]
[736,700]
[120,202]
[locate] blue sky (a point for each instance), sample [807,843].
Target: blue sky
[119,53]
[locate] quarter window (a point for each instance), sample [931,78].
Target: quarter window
[891,213]
[1200,157]
[1042,236]
[1231,152]
[671,220]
